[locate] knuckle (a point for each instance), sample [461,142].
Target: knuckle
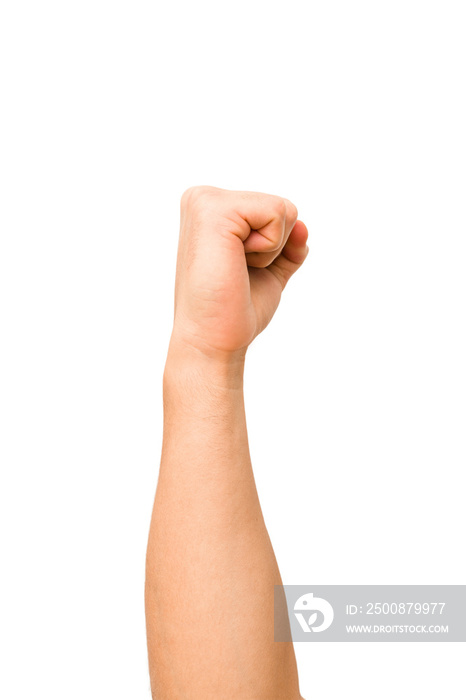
[186,195]
[291,210]
[194,195]
[279,208]
[275,242]
[185,199]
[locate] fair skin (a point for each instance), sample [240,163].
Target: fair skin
[211,569]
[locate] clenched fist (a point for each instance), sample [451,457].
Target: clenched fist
[237,250]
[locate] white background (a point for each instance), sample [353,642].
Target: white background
[355,393]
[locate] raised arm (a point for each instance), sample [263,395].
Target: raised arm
[211,569]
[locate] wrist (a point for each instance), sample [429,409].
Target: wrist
[209,367]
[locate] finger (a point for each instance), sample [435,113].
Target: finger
[264,219]
[261,221]
[293,254]
[258,253]
[268,219]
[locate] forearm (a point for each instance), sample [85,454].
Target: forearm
[211,569]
